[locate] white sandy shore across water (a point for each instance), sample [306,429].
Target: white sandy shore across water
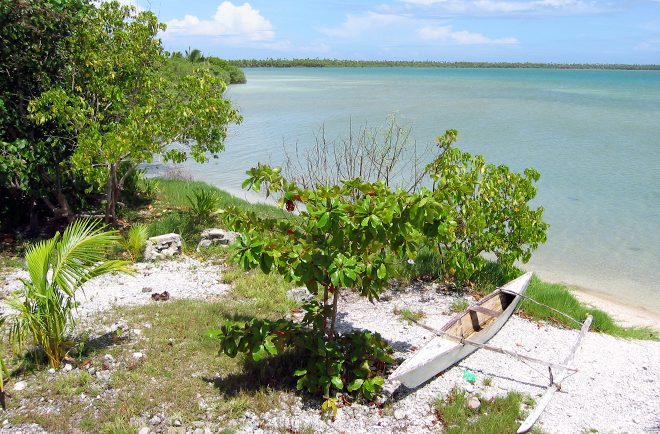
[616,388]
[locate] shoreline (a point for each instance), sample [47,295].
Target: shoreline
[625,314]
[620,309]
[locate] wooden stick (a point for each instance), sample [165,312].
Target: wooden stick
[491,347]
[560,376]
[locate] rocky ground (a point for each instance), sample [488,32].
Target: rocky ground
[615,390]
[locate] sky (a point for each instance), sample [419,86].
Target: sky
[555,31]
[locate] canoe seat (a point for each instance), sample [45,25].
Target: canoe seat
[484,310]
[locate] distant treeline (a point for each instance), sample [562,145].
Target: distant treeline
[321,63]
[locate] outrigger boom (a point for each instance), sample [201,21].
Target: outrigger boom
[492,348]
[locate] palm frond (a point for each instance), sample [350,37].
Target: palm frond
[83,244]
[43,310]
[38,258]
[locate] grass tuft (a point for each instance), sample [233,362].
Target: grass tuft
[409,315]
[459,305]
[498,415]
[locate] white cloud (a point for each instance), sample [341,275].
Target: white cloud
[462,37]
[359,24]
[513,6]
[238,23]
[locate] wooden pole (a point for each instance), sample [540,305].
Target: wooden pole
[492,348]
[560,376]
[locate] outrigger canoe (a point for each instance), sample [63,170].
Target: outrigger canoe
[463,334]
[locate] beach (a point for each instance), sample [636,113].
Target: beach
[614,390]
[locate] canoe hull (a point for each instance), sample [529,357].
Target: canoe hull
[441,353]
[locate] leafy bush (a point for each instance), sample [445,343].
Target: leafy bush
[135,240]
[352,362]
[43,308]
[345,236]
[488,209]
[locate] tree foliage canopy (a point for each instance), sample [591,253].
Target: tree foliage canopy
[121,108]
[35,49]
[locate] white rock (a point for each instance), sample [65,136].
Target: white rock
[399,414]
[474,403]
[216,236]
[108,359]
[162,246]
[67,368]
[156,420]
[20,385]
[144,430]
[137,355]
[299,295]
[52,371]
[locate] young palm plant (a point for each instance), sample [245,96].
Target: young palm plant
[134,241]
[43,309]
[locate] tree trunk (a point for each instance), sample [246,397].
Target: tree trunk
[325,303]
[112,195]
[335,299]
[64,208]
[34,218]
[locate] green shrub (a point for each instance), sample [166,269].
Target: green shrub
[345,236]
[134,241]
[202,204]
[352,362]
[43,309]
[488,208]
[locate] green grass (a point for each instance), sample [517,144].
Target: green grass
[409,315]
[173,213]
[560,298]
[174,193]
[459,305]
[498,415]
[7,261]
[181,367]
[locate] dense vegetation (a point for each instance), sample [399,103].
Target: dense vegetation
[179,64]
[340,63]
[87,93]
[83,108]
[355,234]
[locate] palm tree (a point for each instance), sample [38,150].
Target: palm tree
[58,267]
[194,55]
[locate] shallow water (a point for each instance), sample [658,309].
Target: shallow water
[593,135]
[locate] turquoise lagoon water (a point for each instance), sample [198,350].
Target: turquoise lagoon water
[593,135]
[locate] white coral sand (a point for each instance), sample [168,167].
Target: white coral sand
[616,387]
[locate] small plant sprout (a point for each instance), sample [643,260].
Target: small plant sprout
[409,315]
[135,240]
[459,305]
